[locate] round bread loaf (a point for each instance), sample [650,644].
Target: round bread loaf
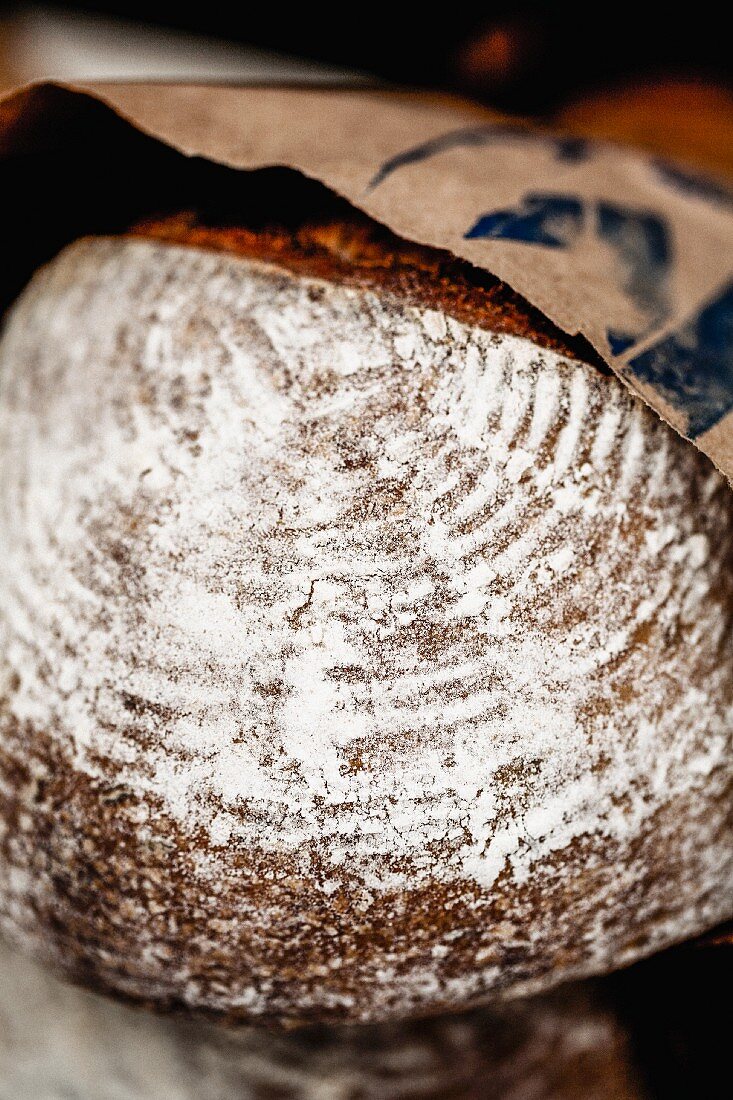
[365,650]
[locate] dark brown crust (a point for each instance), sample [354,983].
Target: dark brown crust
[358,251]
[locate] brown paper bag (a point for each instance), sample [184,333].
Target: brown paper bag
[632,253]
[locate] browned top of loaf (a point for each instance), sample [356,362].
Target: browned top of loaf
[359,252]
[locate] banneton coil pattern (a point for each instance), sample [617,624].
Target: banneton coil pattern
[356,660]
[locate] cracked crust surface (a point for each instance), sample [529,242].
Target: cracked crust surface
[361,657]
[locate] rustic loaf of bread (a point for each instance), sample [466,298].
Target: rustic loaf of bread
[365,646]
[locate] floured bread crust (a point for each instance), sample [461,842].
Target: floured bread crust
[357,660]
[355,251]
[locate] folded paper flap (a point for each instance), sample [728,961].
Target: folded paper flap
[634,254]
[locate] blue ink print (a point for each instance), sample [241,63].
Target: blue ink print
[693,184]
[550,220]
[693,367]
[641,242]
[570,150]
[639,239]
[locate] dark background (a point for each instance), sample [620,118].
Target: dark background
[524,57]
